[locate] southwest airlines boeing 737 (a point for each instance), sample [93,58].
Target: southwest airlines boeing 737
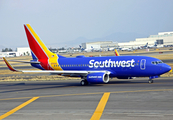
[90,69]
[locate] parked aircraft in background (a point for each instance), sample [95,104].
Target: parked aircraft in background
[126,49]
[160,46]
[110,49]
[153,46]
[145,46]
[90,69]
[140,47]
[89,50]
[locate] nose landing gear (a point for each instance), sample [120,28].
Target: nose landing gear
[151,79]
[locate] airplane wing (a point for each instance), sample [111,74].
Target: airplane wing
[66,72]
[24,61]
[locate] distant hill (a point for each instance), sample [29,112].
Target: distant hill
[115,37]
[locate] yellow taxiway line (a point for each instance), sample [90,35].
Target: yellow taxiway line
[100,108]
[114,92]
[17,108]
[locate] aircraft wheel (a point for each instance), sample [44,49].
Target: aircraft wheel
[84,82]
[150,81]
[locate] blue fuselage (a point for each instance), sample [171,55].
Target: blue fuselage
[118,66]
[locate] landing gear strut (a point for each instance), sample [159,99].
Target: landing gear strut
[150,81]
[84,82]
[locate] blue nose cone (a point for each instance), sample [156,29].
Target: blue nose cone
[166,68]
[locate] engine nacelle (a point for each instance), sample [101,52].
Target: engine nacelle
[100,77]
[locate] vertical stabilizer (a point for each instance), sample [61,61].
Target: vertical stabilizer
[40,52]
[116,53]
[38,48]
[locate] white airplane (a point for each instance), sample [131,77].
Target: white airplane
[155,45]
[89,50]
[126,49]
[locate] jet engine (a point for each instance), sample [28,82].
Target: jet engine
[100,77]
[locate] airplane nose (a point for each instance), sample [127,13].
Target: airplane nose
[170,69]
[167,68]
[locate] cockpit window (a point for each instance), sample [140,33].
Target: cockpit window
[156,62]
[160,61]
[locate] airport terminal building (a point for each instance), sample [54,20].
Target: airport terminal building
[163,38]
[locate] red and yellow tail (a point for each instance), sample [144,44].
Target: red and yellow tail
[47,59]
[116,53]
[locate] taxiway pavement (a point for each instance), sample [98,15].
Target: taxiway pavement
[66,99]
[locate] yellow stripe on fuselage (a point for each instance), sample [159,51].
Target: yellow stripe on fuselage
[53,58]
[54,63]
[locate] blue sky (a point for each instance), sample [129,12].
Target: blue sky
[64,22]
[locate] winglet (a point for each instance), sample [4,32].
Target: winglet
[9,65]
[116,53]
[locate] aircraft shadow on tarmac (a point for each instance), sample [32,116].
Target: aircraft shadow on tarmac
[55,85]
[35,86]
[127,82]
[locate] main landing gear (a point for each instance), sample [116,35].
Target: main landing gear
[150,81]
[84,82]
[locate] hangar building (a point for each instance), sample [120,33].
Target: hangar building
[163,38]
[24,51]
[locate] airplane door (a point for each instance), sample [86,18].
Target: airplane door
[142,65]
